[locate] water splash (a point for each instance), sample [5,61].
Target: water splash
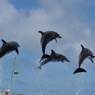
[1,71]
[80,83]
[40,82]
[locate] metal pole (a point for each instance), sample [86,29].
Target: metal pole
[10,86]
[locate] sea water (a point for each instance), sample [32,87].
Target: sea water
[1,71]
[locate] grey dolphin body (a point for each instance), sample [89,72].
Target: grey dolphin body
[85,53]
[8,47]
[53,57]
[47,37]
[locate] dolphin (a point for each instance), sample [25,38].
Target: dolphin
[53,57]
[47,37]
[44,60]
[84,54]
[8,47]
[58,57]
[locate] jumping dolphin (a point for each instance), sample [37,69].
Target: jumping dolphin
[8,47]
[47,37]
[85,53]
[53,57]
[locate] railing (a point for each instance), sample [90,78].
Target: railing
[18,94]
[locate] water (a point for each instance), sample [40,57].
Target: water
[1,71]
[80,83]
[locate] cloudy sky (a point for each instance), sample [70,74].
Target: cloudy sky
[20,20]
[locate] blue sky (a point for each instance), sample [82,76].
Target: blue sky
[25,4]
[20,20]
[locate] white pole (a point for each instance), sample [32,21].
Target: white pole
[10,86]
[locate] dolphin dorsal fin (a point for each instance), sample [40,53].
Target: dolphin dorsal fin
[3,41]
[82,47]
[41,32]
[52,52]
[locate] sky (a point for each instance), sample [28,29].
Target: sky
[20,20]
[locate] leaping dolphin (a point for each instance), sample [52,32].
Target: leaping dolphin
[47,37]
[53,57]
[8,47]
[85,53]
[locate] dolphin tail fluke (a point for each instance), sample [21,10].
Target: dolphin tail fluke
[78,70]
[44,56]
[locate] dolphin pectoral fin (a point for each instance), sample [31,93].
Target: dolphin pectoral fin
[17,51]
[78,70]
[55,39]
[91,59]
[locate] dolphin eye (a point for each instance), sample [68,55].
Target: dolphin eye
[18,45]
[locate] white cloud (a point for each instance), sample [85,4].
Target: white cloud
[62,16]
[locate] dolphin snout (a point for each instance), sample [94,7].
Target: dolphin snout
[59,36]
[18,45]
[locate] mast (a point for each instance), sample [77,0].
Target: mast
[10,85]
